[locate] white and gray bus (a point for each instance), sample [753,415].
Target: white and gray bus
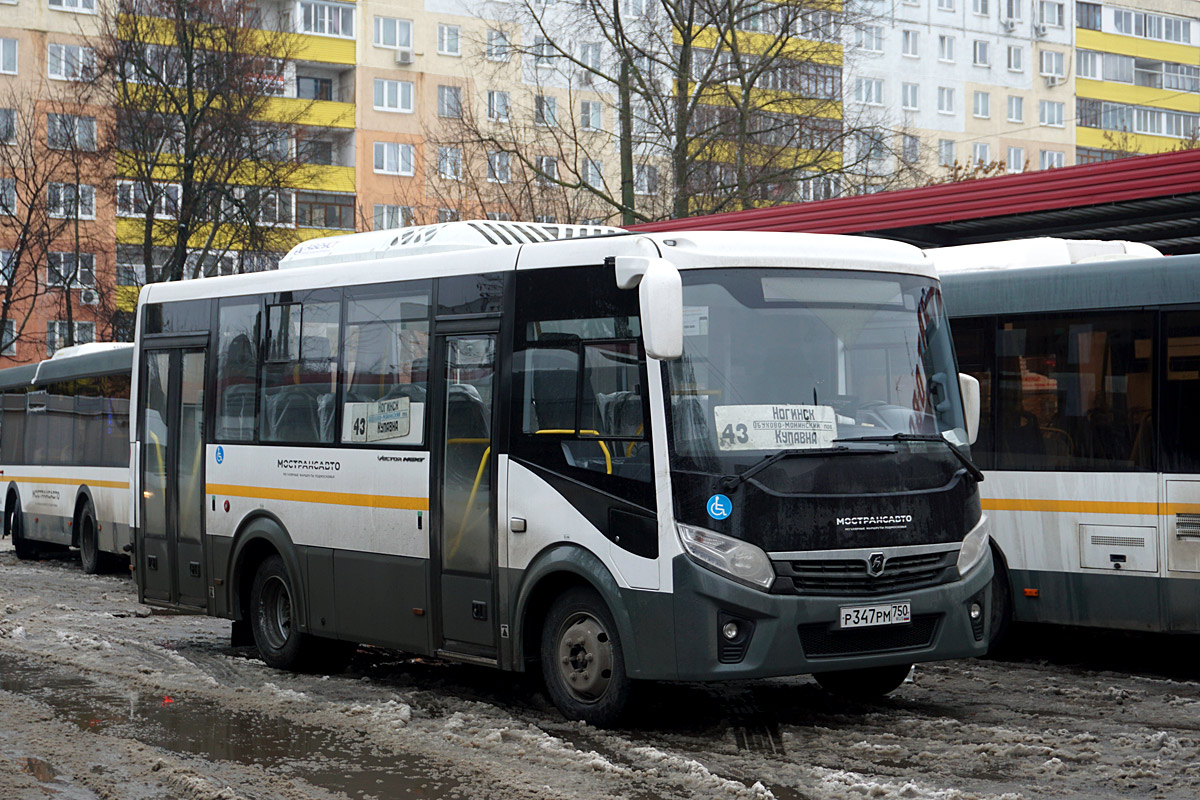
[616,456]
[1089,433]
[64,454]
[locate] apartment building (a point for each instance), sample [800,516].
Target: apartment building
[1137,77]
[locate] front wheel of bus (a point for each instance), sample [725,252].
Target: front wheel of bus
[582,660]
[273,617]
[864,684]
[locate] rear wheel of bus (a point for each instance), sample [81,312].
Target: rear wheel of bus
[274,618]
[582,660]
[864,684]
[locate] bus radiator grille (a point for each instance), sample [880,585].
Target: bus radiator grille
[849,577]
[820,640]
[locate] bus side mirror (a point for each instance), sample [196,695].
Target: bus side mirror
[969,388]
[660,298]
[660,295]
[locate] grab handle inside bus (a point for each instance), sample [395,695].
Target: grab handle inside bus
[969,388]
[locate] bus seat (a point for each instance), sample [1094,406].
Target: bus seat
[621,412]
[291,415]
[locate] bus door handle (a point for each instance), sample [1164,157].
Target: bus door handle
[516,524]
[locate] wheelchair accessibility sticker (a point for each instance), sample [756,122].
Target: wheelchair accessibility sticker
[220,454]
[719,506]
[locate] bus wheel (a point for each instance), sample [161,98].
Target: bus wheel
[273,617]
[864,684]
[1000,618]
[15,523]
[582,660]
[90,556]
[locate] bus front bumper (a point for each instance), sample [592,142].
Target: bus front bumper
[790,635]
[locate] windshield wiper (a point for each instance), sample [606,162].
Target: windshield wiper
[921,437]
[730,482]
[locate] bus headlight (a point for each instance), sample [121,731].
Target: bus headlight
[737,559]
[974,547]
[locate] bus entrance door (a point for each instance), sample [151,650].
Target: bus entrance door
[170,538]
[465,492]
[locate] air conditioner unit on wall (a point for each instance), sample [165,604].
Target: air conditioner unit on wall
[1054,80]
[89,297]
[404,55]
[1039,29]
[1009,24]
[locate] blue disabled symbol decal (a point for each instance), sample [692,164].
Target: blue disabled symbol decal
[719,506]
[220,454]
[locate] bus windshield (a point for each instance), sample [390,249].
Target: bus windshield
[809,360]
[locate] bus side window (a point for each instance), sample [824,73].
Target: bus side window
[1181,394]
[300,368]
[237,370]
[387,354]
[974,350]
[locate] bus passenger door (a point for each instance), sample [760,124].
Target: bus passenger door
[170,538]
[464,490]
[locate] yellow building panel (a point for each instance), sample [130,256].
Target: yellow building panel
[125,297]
[1135,46]
[326,49]
[1137,95]
[725,152]
[1127,142]
[776,102]
[320,113]
[795,47]
[317,177]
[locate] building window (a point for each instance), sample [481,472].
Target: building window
[982,107]
[908,96]
[1050,13]
[910,149]
[1016,108]
[8,125]
[8,56]
[62,270]
[393,33]
[945,48]
[1012,9]
[85,6]
[393,158]
[545,110]
[869,91]
[909,41]
[71,62]
[57,334]
[945,100]
[1053,64]
[327,19]
[1050,113]
[945,152]
[310,88]
[1016,58]
[8,196]
[69,200]
[497,167]
[645,179]
[1087,15]
[870,37]
[388,217]
[450,102]
[449,40]
[1016,159]
[1087,64]
[10,330]
[979,6]
[543,51]
[591,115]
[499,216]
[70,131]
[325,210]
[981,153]
[1052,159]
[945,5]
[589,55]
[445,215]
[981,54]
[497,46]
[497,106]
[450,163]
[547,169]
[593,173]
[393,95]
[136,199]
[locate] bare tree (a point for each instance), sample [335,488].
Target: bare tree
[204,154]
[710,105]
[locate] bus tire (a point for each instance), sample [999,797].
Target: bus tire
[582,660]
[90,557]
[1001,613]
[274,617]
[871,683]
[15,523]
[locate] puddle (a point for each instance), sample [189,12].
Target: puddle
[202,728]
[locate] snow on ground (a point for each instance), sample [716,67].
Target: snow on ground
[105,699]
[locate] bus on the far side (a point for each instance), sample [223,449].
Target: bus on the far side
[64,454]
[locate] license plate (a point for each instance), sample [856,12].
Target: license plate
[869,616]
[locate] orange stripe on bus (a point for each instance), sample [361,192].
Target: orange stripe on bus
[69,482]
[1089,506]
[331,498]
